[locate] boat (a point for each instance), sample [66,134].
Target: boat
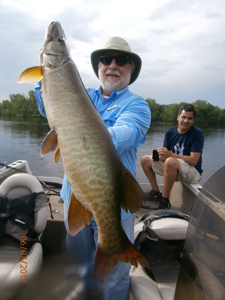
[185,244]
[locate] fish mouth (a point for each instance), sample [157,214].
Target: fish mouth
[55,32]
[54,39]
[44,54]
[55,49]
[51,54]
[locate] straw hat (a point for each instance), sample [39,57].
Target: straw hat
[117,44]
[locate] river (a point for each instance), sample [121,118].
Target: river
[21,138]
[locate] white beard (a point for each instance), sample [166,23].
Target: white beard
[108,84]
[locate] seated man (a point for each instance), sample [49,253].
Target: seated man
[180,158]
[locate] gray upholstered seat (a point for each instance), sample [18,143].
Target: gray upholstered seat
[141,285]
[11,267]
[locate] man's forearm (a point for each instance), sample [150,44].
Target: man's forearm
[192,160]
[38,96]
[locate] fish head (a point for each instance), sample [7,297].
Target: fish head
[55,51]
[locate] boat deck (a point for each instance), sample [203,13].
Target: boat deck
[58,277]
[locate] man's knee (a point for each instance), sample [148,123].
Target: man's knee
[145,161]
[172,163]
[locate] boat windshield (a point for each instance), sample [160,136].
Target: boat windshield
[202,272]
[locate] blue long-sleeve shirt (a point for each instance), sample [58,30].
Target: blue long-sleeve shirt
[126,115]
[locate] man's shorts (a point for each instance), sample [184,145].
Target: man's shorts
[186,172]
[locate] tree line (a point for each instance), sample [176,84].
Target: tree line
[19,105]
[206,112]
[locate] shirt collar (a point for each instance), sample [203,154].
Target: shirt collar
[113,94]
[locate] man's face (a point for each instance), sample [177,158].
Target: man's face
[185,120]
[114,77]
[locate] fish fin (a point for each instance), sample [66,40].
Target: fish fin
[104,263]
[133,195]
[50,143]
[31,75]
[77,214]
[57,156]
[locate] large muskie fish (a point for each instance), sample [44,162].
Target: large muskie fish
[100,183]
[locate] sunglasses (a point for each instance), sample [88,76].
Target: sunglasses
[121,60]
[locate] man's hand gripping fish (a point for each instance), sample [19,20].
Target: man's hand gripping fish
[100,183]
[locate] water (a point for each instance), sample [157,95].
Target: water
[22,138]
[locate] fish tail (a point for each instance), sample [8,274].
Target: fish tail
[104,263]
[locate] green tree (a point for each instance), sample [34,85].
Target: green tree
[157,110]
[19,105]
[208,113]
[171,112]
[6,109]
[33,108]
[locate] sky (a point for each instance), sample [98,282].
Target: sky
[181,43]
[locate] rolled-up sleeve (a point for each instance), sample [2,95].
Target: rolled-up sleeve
[38,96]
[131,126]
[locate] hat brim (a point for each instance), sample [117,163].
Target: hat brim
[136,59]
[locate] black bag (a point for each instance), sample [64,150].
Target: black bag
[17,216]
[154,248]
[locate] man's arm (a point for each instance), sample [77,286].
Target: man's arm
[192,160]
[38,96]
[131,126]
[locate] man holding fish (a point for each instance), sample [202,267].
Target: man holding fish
[127,118]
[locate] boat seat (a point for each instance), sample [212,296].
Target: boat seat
[166,226]
[14,270]
[142,287]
